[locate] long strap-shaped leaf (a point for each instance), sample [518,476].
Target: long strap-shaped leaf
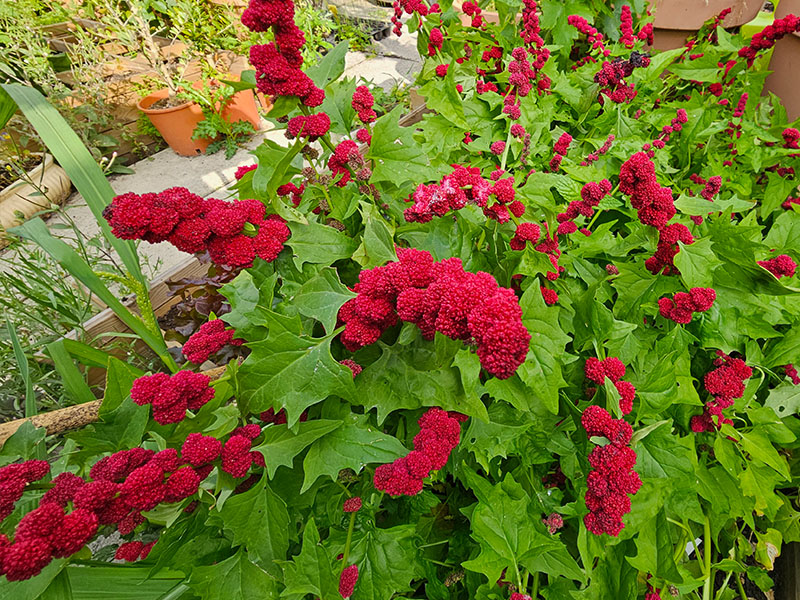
[36,231]
[75,159]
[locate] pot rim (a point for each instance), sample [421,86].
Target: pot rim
[158,95]
[47,162]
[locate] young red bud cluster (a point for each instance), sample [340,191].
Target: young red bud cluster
[172,395]
[347,581]
[345,153]
[612,478]
[311,127]
[439,434]
[780,266]
[766,38]
[362,103]
[668,238]
[791,372]
[597,370]
[654,204]
[681,307]
[725,384]
[626,27]
[439,297]
[208,340]
[193,224]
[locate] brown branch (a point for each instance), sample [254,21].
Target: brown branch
[71,417]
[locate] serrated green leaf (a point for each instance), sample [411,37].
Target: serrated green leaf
[235,577]
[393,162]
[378,245]
[784,400]
[259,522]
[351,446]
[387,562]
[696,263]
[282,444]
[311,571]
[322,296]
[293,372]
[319,244]
[250,295]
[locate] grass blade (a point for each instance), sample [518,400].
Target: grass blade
[74,382]
[24,369]
[36,231]
[75,159]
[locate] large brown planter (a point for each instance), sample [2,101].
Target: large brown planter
[677,20]
[785,64]
[21,200]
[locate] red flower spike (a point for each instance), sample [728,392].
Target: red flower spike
[347,581]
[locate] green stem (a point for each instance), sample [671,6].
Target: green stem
[505,151]
[707,565]
[519,577]
[740,587]
[346,553]
[535,588]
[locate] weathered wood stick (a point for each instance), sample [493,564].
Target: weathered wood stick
[71,417]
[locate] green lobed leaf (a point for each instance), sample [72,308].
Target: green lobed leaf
[322,296]
[237,577]
[378,245]
[259,522]
[351,446]
[291,371]
[281,444]
[312,570]
[250,295]
[697,262]
[393,162]
[319,244]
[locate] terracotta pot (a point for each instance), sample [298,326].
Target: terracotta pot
[21,200]
[785,64]
[677,20]
[176,124]
[242,107]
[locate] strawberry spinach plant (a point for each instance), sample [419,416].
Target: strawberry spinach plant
[538,343]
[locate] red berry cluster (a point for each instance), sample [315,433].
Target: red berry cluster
[676,124]
[725,384]
[560,149]
[352,505]
[637,178]
[595,38]
[530,24]
[612,477]
[410,7]
[471,9]
[296,194]
[595,156]
[611,78]
[120,487]
[193,224]
[14,478]
[525,232]
[518,596]
[243,170]
[439,434]
[553,522]
[346,152]
[362,103]
[237,454]
[626,27]
[668,238]
[278,64]
[766,38]
[438,297]
[681,307]
[312,127]
[172,395]
[597,370]
[133,551]
[208,340]
[780,266]
[463,186]
[347,581]
[789,202]
[435,41]
[591,195]
[791,372]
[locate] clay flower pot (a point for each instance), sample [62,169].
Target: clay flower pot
[676,20]
[21,200]
[785,64]
[175,124]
